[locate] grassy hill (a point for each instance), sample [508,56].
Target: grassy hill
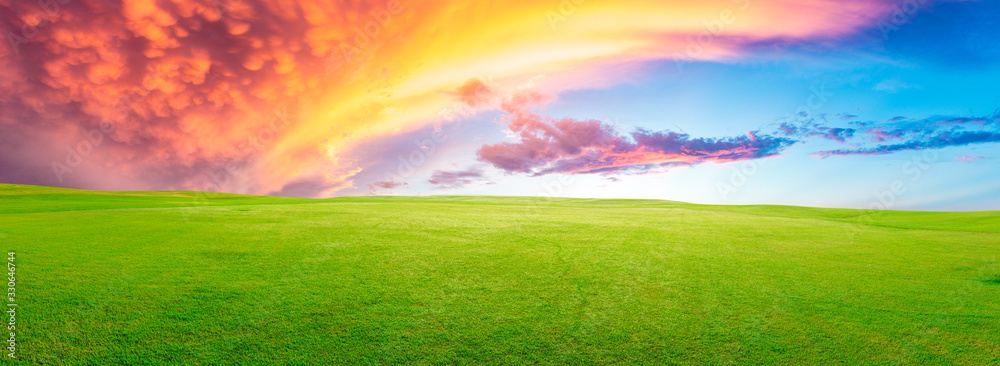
[153,278]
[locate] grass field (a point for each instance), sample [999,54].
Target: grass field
[154,278]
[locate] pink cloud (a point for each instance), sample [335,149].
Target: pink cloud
[571,146]
[385,185]
[881,135]
[969,158]
[456,179]
[473,93]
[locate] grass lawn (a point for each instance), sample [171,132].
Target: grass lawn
[156,278]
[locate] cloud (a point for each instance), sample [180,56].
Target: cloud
[571,146]
[969,158]
[880,134]
[813,129]
[931,132]
[311,186]
[978,121]
[457,179]
[473,93]
[941,140]
[788,129]
[181,91]
[893,86]
[837,134]
[385,185]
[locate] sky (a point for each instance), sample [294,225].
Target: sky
[883,104]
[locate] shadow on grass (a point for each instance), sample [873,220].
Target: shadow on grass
[991,280]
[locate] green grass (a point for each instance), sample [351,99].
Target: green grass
[154,278]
